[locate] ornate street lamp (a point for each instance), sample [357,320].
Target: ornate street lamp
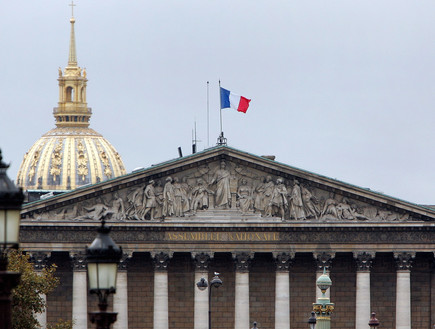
[312,320]
[373,323]
[323,308]
[103,257]
[11,199]
[203,284]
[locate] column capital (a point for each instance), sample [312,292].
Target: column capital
[242,260]
[364,260]
[161,260]
[283,260]
[39,259]
[202,260]
[125,260]
[404,260]
[78,260]
[323,260]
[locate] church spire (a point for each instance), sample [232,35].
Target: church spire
[72,58]
[72,110]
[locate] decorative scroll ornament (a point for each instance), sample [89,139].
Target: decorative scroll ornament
[56,160]
[39,259]
[404,260]
[105,161]
[202,260]
[242,261]
[364,260]
[161,261]
[125,261]
[34,163]
[323,260]
[82,161]
[283,261]
[78,261]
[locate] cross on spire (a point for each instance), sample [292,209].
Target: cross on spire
[72,8]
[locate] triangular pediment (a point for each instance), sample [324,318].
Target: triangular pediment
[225,184]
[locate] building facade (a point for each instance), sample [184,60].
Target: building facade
[269,229]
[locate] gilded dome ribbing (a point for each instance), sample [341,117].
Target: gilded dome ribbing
[70,155]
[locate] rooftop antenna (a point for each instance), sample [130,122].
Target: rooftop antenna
[194,139]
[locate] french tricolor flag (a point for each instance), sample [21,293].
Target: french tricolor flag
[231,100]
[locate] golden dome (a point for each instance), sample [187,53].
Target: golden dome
[72,154]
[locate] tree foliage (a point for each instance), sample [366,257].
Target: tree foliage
[26,297]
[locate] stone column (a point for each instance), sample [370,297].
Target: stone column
[80,291]
[161,311]
[323,260]
[282,289]
[403,289]
[120,299]
[363,306]
[201,305]
[40,260]
[241,319]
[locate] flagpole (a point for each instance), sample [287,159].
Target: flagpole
[208,117]
[220,107]
[221,139]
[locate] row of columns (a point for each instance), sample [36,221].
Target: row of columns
[242,260]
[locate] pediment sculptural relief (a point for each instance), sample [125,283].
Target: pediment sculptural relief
[224,185]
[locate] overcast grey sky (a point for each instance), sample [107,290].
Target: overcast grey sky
[345,89]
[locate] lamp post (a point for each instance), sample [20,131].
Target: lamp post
[11,199]
[103,257]
[312,320]
[323,308]
[203,284]
[373,323]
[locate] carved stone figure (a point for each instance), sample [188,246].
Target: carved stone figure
[344,210]
[244,194]
[150,200]
[296,205]
[68,213]
[118,208]
[200,196]
[278,202]
[370,212]
[258,197]
[158,191]
[330,208]
[135,209]
[181,201]
[223,193]
[97,212]
[186,190]
[264,195]
[168,198]
[308,200]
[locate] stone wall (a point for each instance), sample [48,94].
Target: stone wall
[60,300]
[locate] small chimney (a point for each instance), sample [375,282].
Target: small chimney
[270,157]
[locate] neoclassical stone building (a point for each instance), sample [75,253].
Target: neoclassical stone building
[268,228]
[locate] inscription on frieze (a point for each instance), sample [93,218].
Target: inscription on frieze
[222,236]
